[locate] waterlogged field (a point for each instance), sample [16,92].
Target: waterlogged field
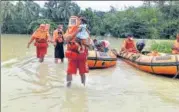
[30,86]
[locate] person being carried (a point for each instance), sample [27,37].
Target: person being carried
[129,45]
[175,47]
[82,36]
[58,41]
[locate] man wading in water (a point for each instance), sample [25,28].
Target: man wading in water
[76,59]
[41,37]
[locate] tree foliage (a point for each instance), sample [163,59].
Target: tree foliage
[154,19]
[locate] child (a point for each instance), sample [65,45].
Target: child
[82,36]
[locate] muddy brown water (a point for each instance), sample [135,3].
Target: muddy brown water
[28,86]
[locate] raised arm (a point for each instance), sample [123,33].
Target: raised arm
[55,35]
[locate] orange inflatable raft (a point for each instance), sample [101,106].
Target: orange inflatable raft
[161,65]
[98,59]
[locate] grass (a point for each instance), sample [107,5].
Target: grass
[162,46]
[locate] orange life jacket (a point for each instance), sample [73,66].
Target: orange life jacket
[73,25]
[129,44]
[40,34]
[41,37]
[70,33]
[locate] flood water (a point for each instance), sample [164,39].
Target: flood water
[28,86]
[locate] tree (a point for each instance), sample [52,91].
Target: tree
[8,15]
[160,3]
[61,10]
[147,3]
[112,9]
[31,11]
[35,24]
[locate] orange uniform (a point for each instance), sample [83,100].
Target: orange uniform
[41,36]
[129,46]
[75,60]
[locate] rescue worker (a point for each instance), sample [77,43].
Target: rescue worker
[105,45]
[58,41]
[175,47]
[129,45]
[41,37]
[101,45]
[140,45]
[76,60]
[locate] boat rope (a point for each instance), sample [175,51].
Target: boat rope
[151,64]
[96,59]
[177,67]
[176,75]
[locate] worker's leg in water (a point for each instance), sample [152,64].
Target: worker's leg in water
[62,60]
[41,59]
[69,79]
[72,69]
[56,60]
[83,79]
[83,68]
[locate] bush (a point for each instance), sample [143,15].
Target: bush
[164,47]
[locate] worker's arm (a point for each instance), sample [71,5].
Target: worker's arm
[31,40]
[123,46]
[135,46]
[54,36]
[68,38]
[175,48]
[78,30]
[48,37]
[88,31]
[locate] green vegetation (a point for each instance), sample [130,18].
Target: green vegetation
[162,46]
[152,20]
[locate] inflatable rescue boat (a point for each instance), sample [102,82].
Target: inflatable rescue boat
[161,65]
[98,59]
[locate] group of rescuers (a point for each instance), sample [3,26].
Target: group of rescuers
[80,46]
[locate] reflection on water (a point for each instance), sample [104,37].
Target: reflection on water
[29,86]
[75,101]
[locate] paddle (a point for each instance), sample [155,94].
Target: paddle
[176,75]
[115,52]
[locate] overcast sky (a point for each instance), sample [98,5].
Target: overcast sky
[103,5]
